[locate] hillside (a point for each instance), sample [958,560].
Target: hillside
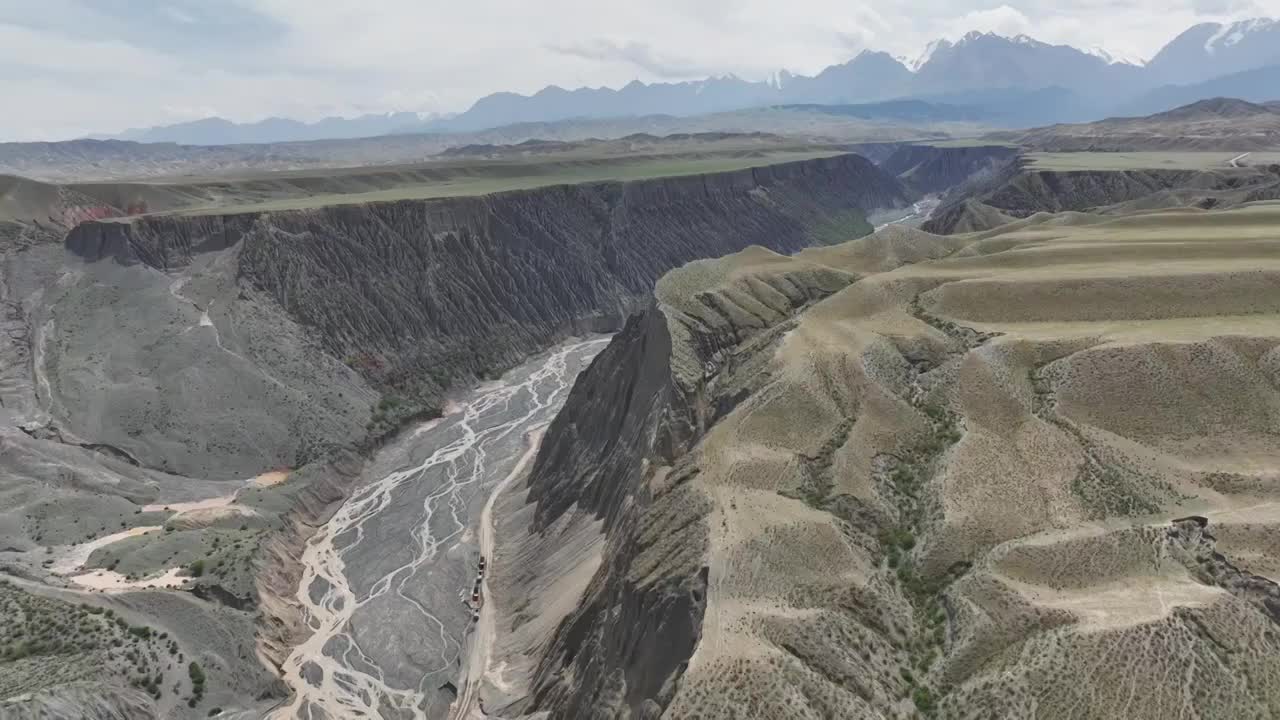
[1223,124]
[1019,473]
[33,211]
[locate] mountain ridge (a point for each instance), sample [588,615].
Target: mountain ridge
[1105,84]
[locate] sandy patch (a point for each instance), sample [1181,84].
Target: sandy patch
[206,504]
[451,407]
[204,517]
[269,478]
[1132,602]
[76,557]
[112,581]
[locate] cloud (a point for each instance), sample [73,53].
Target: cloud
[1002,20]
[72,67]
[637,54]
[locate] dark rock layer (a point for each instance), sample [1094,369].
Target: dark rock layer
[622,448]
[418,294]
[932,169]
[1022,192]
[626,641]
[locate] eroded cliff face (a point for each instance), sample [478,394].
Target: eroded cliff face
[1019,192]
[934,169]
[620,457]
[206,350]
[416,294]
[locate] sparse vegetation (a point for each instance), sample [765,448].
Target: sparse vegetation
[45,642]
[196,674]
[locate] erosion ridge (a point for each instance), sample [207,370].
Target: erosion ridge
[616,466]
[932,169]
[566,258]
[1020,189]
[941,490]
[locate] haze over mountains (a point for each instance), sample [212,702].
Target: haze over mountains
[220,131]
[1015,80]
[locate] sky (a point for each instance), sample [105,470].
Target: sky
[73,67]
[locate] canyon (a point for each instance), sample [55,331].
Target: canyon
[941,428]
[157,365]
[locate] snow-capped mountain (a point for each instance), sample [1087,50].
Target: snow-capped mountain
[1210,50]
[927,55]
[988,60]
[1000,74]
[1113,59]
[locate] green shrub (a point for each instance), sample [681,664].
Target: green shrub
[924,700]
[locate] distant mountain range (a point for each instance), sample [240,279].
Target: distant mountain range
[1012,81]
[218,131]
[1221,124]
[1257,85]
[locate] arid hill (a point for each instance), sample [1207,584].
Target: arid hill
[1027,472]
[1224,124]
[628,144]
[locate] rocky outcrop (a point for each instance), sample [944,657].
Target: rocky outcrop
[417,294]
[624,409]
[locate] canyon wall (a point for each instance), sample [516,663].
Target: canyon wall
[418,294]
[1019,191]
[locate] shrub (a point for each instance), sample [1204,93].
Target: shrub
[924,700]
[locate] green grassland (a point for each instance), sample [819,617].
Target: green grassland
[967,142]
[482,177]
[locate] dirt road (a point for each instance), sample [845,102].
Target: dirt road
[482,635]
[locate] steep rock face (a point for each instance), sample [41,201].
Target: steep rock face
[1050,191]
[1020,193]
[930,169]
[621,450]
[626,408]
[467,286]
